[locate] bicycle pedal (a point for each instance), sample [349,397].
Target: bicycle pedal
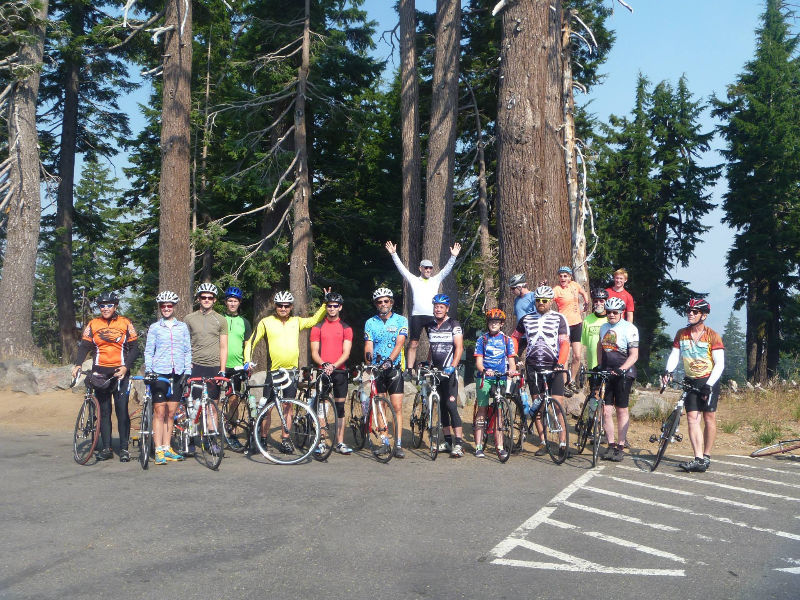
[653,439]
[678,437]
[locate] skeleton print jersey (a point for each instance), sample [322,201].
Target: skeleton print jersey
[542,331]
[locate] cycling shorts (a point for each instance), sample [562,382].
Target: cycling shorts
[213,388]
[575,332]
[339,383]
[159,389]
[618,391]
[555,381]
[448,388]
[389,382]
[695,403]
[415,325]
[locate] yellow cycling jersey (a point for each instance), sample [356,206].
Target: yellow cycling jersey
[283,338]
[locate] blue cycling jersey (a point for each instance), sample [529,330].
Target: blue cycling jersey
[383,335]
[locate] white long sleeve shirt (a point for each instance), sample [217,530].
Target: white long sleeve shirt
[423,290]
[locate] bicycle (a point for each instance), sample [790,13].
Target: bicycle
[501,413]
[551,415]
[372,417]
[145,438]
[200,417]
[426,411]
[283,421]
[318,394]
[590,421]
[779,448]
[87,425]
[669,428]
[236,419]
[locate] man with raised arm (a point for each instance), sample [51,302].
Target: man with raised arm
[423,288]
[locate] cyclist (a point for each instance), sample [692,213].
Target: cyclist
[423,288]
[617,290]
[116,347]
[547,334]
[572,301]
[239,330]
[384,337]
[590,335]
[281,333]
[703,356]
[524,301]
[331,342]
[168,354]
[209,332]
[494,353]
[447,345]
[617,351]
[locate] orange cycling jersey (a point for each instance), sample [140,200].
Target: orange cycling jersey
[111,339]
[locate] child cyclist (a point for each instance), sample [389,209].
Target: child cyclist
[494,353]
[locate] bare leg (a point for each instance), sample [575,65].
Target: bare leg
[710,433]
[623,419]
[412,353]
[575,365]
[695,432]
[397,404]
[608,422]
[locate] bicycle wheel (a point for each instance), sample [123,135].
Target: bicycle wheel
[273,427]
[383,429]
[418,421]
[300,430]
[236,422]
[212,442]
[356,421]
[668,429]
[435,426]
[518,426]
[87,430]
[555,428]
[146,434]
[779,448]
[583,426]
[597,433]
[326,416]
[505,423]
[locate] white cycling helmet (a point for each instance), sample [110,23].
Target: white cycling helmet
[615,304]
[284,298]
[545,291]
[382,292]
[208,288]
[167,296]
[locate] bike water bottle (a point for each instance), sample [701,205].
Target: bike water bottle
[425,389]
[253,404]
[526,400]
[192,408]
[592,406]
[364,400]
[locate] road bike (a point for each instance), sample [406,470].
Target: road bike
[145,433]
[282,422]
[551,416]
[501,413]
[200,418]
[590,422]
[87,425]
[318,394]
[669,428]
[372,417]
[778,448]
[426,411]
[236,419]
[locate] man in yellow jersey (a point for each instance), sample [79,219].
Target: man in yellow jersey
[281,333]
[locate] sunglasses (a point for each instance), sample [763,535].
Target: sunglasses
[613,312]
[599,301]
[106,305]
[163,306]
[383,302]
[693,311]
[542,300]
[208,297]
[334,305]
[427,267]
[283,305]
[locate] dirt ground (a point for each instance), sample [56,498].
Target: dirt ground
[742,418]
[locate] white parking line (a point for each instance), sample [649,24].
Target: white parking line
[791,459]
[792,570]
[687,493]
[612,515]
[686,511]
[759,466]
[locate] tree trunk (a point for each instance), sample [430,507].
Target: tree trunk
[756,334]
[299,276]
[25,205]
[438,234]
[576,213]
[175,260]
[409,116]
[532,210]
[62,261]
[207,258]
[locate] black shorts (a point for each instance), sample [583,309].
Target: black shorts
[555,382]
[389,382]
[159,389]
[339,383]
[237,378]
[415,324]
[695,403]
[618,391]
[213,388]
[575,332]
[291,390]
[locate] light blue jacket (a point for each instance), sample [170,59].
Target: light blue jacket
[168,349]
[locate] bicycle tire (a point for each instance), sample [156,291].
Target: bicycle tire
[554,421]
[583,427]
[236,422]
[668,429]
[505,421]
[434,427]
[87,430]
[356,421]
[326,411]
[597,433]
[418,421]
[146,434]
[519,426]
[212,442]
[300,430]
[270,431]
[383,423]
[779,448]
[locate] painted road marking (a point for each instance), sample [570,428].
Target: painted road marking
[612,515]
[759,467]
[686,493]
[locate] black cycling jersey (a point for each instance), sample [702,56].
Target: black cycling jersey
[441,341]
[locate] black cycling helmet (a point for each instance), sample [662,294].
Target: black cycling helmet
[699,304]
[599,294]
[107,298]
[335,297]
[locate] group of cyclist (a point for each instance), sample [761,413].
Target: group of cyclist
[550,320]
